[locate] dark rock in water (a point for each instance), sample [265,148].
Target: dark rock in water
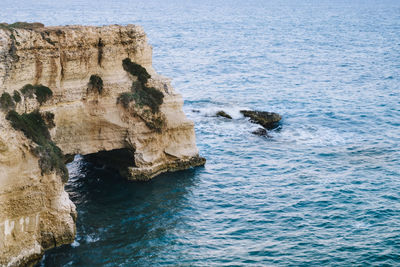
[268,120]
[222,113]
[195,110]
[261,132]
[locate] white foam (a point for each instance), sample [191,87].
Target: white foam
[312,135]
[91,239]
[211,111]
[75,244]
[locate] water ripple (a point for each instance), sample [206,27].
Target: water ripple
[324,190]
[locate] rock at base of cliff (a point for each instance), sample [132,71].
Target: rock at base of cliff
[145,174]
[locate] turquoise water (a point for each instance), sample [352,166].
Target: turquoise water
[324,190]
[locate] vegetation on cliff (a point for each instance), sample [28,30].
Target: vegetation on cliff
[140,92]
[16,96]
[35,128]
[136,70]
[96,83]
[21,25]
[6,102]
[150,97]
[41,92]
[143,96]
[48,119]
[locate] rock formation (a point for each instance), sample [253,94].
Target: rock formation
[268,120]
[223,114]
[65,91]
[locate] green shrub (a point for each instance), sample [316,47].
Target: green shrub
[140,93]
[51,159]
[48,119]
[28,90]
[42,92]
[31,124]
[95,82]
[136,70]
[17,96]
[34,128]
[155,124]
[125,99]
[143,95]
[6,102]
[151,97]
[148,96]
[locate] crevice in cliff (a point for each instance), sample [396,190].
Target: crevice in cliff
[62,65]
[13,47]
[45,35]
[100,46]
[53,72]
[38,69]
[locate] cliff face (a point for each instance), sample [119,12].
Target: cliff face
[98,107]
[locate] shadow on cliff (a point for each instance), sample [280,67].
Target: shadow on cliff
[119,220]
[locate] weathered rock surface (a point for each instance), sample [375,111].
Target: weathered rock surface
[35,211]
[268,120]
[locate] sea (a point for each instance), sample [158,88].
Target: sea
[323,189]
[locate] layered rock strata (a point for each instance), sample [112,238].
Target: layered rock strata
[82,67]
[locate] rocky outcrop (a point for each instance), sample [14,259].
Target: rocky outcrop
[125,114]
[268,120]
[223,114]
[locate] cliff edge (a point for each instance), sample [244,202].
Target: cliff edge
[78,90]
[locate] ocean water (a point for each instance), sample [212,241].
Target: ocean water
[324,189]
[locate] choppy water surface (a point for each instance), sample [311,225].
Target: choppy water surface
[325,189]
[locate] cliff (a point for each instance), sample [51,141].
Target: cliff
[78,90]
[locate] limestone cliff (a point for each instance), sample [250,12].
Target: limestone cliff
[97,107]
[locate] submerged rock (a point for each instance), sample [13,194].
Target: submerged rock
[261,132]
[268,120]
[222,113]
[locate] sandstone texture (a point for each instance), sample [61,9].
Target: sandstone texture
[35,212]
